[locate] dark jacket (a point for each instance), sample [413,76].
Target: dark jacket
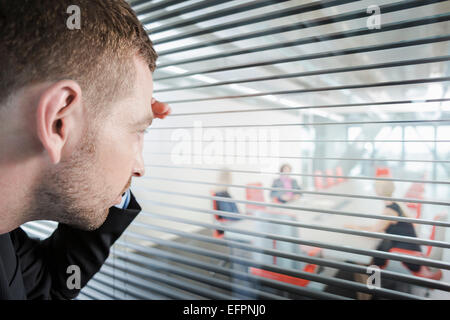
[35,269]
[277,183]
[225,205]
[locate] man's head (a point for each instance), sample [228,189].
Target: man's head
[286,168]
[74,105]
[384,188]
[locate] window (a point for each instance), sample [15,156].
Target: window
[317,85]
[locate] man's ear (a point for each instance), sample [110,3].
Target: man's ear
[59,106]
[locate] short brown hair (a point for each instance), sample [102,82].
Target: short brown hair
[286,165]
[384,188]
[36,46]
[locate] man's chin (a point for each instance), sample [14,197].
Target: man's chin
[90,222]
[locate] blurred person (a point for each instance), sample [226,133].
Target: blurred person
[401,228]
[225,180]
[74,105]
[285,182]
[386,188]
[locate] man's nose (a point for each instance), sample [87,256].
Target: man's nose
[139,167]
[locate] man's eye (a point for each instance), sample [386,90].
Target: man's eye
[145,131]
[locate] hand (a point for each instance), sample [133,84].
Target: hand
[285,197]
[160,109]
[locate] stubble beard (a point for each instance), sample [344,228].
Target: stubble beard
[70,193]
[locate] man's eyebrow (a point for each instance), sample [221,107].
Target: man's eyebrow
[147,121]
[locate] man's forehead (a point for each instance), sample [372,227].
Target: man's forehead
[144,84]
[136,110]
[141,111]
[144,75]
[140,114]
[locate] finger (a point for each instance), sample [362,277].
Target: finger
[160,109]
[162,115]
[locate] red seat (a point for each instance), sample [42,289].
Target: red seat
[275,200]
[424,272]
[432,237]
[330,180]
[311,251]
[439,217]
[417,187]
[383,172]
[217,233]
[318,181]
[417,207]
[254,194]
[415,191]
[339,173]
[279,277]
[310,268]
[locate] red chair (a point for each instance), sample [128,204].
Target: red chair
[217,233]
[424,272]
[417,207]
[275,200]
[318,181]
[383,172]
[417,188]
[278,277]
[340,174]
[415,191]
[310,268]
[254,194]
[432,237]
[439,217]
[330,180]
